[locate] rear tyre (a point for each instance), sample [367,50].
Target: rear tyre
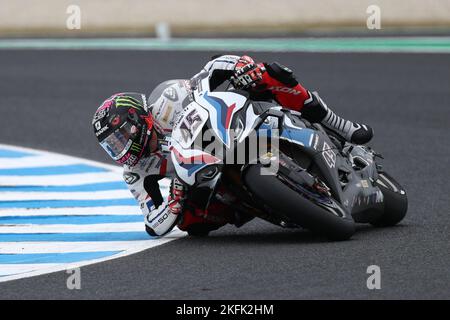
[395,201]
[300,210]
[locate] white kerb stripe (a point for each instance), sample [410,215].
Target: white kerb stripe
[37,158]
[37,161]
[95,195]
[85,211]
[8,269]
[71,228]
[64,247]
[60,180]
[114,168]
[36,270]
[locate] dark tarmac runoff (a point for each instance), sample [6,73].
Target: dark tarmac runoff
[48,98]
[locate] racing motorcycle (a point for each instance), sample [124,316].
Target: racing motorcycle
[321,182]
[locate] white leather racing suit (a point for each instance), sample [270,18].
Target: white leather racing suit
[169,99]
[166,103]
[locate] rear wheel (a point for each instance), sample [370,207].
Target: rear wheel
[282,199]
[395,201]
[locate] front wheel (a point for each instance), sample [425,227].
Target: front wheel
[285,201]
[395,201]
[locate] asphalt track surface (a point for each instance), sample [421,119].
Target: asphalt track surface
[47,99]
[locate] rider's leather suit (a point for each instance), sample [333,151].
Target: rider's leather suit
[167,102]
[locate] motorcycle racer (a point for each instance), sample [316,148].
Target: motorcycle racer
[274,81]
[135,132]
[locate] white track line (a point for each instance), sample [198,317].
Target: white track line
[73,228]
[36,161]
[42,159]
[7,269]
[93,195]
[64,247]
[59,180]
[114,168]
[36,270]
[85,211]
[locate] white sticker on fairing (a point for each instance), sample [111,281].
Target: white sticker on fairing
[189,125]
[329,155]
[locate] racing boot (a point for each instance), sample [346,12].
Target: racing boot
[199,222]
[196,223]
[315,110]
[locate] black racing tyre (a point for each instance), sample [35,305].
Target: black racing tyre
[288,202]
[395,201]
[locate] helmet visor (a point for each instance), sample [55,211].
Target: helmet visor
[119,142]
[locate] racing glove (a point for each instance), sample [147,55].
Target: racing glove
[247,73]
[176,196]
[160,221]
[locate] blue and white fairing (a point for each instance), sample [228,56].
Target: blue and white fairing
[217,107]
[187,159]
[291,132]
[221,108]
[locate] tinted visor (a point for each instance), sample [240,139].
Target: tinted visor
[119,142]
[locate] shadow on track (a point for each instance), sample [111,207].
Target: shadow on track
[286,236]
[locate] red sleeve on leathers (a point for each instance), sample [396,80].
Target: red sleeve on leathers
[288,97]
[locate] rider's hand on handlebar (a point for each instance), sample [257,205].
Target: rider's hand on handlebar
[247,73]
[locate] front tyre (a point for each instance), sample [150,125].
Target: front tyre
[300,210]
[395,201]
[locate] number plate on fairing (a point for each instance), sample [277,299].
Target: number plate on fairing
[189,125]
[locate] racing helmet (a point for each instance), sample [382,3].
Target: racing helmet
[166,103]
[124,127]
